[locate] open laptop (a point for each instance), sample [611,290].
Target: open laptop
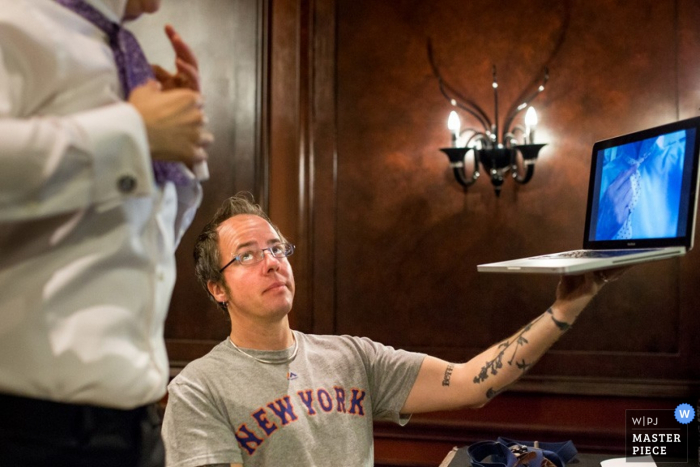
[642,202]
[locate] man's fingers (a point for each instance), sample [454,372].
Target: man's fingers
[200,138]
[610,275]
[170,30]
[182,50]
[200,155]
[187,76]
[205,138]
[196,156]
[615,273]
[175,121]
[149,86]
[160,73]
[188,99]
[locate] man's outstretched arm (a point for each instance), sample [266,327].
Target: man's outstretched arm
[442,385]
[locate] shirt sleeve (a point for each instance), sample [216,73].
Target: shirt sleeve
[61,164]
[65,157]
[392,373]
[194,431]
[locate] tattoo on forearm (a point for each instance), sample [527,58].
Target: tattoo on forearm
[448,374]
[496,363]
[491,393]
[493,366]
[563,326]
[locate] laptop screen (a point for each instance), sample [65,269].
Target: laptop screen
[642,190]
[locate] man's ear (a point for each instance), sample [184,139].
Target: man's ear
[217,291]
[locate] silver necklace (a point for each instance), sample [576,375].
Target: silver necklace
[269,362]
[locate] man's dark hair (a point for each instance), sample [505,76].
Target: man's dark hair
[207,258]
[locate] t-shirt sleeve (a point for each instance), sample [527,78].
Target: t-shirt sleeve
[195,431]
[392,373]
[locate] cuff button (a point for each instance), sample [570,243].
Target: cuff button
[126,184]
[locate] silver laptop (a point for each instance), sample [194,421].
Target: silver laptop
[642,202]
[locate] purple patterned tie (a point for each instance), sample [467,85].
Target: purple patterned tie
[133,68]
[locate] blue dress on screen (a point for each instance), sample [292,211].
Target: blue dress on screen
[658,193]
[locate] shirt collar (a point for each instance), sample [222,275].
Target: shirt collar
[112,9]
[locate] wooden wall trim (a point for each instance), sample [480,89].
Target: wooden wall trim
[289,114]
[664,388]
[302,152]
[262,163]
[323,163]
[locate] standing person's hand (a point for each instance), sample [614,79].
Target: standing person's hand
[174,122]
[187,75]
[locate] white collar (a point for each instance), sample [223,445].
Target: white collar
[112,9]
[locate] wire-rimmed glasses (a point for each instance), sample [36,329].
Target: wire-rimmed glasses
[253,256]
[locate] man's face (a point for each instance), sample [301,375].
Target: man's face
[135,8]
[262,291]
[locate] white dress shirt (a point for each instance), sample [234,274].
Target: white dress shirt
[87,239]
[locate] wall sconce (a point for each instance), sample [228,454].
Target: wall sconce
[496,151]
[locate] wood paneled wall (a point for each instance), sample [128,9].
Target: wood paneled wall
[392,242]
[408,237]
[329,112]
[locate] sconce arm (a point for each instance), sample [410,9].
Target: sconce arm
[457,157]
[529,172]
[458,100]
[526,102]
[509,140]
[461,176]
[483,137]
[529,153]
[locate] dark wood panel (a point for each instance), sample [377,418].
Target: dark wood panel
[303,165]
[595,424]
[323,194]
[408,238]
[288,142]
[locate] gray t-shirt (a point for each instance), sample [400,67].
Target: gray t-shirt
[227,408]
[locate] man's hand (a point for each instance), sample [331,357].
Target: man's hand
[187,75]
[172,108]
[174,122]
[575,291]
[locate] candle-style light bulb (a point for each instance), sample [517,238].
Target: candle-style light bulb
[453,125]
[530,124]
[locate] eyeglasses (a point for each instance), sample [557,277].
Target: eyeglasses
[248,257]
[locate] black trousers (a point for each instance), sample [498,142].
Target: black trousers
[42,433]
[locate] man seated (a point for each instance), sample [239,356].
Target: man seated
[271,396]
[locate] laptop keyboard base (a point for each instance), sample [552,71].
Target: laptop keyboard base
[594,253]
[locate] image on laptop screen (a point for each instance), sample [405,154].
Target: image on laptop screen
[642,188]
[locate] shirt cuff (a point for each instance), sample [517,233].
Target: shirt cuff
[122,163]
